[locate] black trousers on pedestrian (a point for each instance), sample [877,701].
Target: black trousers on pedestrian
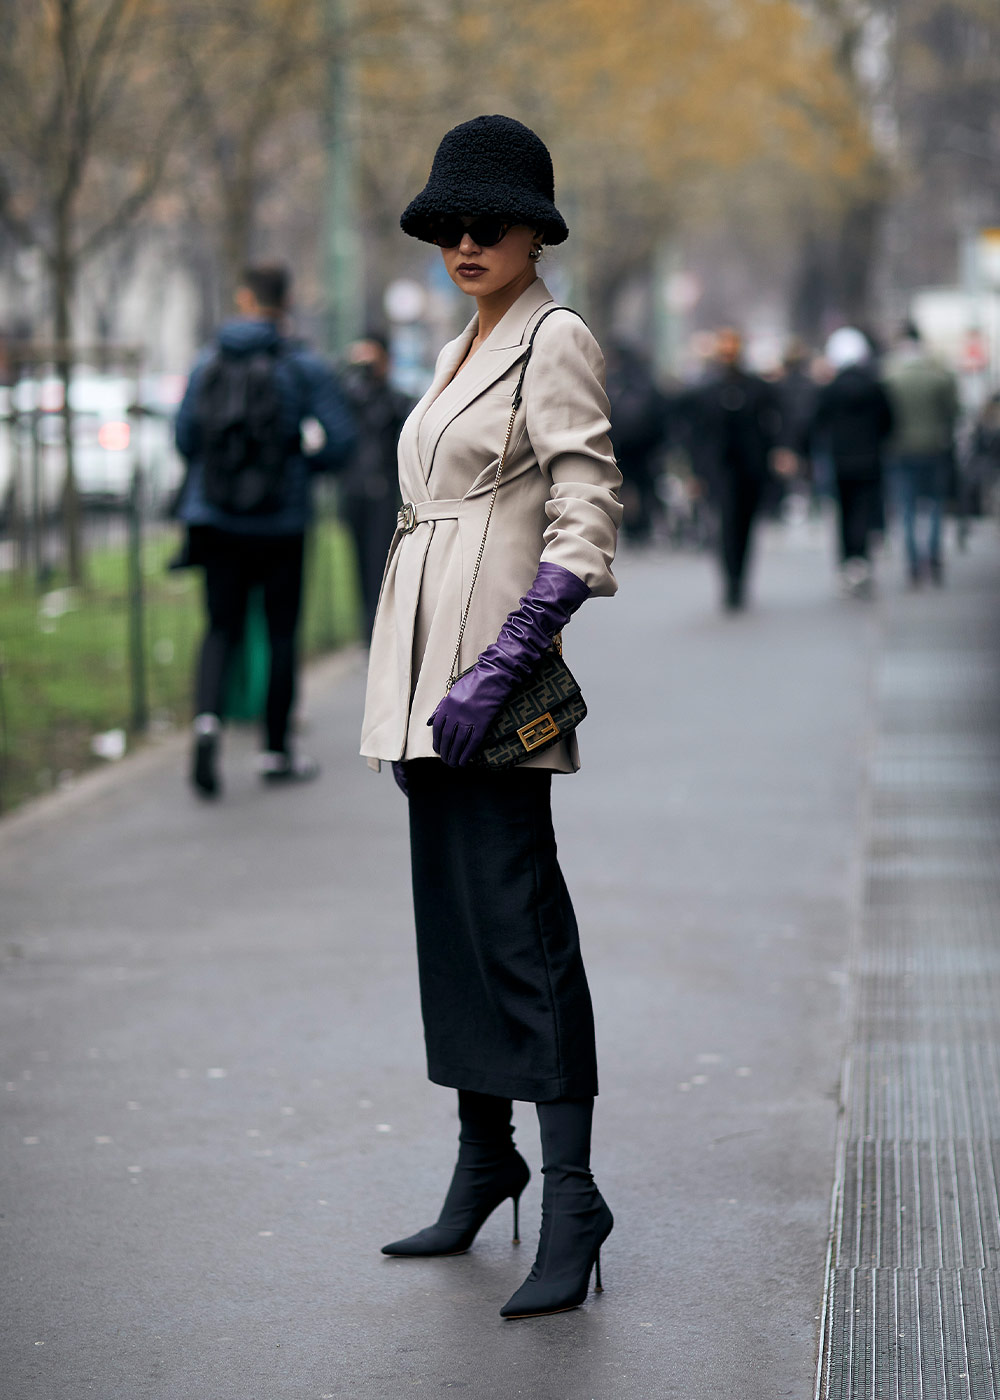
[503,991]
[859,501]
[639,497]
[739,499]
[233,565]
[372,523]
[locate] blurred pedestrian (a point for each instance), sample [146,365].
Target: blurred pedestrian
[796,392]
[369,489]
[981,473]
[850,424]
[247,499]
[734,423]
[506,1008]
[638,430]
[924,397]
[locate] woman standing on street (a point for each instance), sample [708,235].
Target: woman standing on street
[504,995]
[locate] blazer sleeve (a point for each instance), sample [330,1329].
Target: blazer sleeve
[568,424]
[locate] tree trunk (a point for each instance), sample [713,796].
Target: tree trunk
[856,263]
[809,295]
[237,237]
[63,284]
[603,283]
[75,138]
[833,283]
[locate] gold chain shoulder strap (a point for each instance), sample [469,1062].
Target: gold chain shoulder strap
[453,677]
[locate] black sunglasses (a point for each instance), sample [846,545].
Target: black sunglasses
[485,230]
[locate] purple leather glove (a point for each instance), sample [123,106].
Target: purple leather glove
[399,773]
[466,712]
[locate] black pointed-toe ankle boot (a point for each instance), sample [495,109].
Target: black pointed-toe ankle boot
[489,1171]
[575,1218]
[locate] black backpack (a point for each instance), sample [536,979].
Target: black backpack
[244,445]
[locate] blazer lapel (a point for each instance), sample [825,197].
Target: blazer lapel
[412,473]
[502,348]
[512,327]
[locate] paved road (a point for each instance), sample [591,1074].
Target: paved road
[215,1108]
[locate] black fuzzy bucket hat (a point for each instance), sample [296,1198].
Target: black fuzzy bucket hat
[490,165]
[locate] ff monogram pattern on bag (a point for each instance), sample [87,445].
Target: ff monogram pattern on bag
[547,708]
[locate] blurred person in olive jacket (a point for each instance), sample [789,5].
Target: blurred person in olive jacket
[924,397]
[851,423]
[733,425]
[369,488]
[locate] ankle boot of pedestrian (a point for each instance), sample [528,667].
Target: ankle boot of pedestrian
[278,767]
[489,1171]
[575,1219]
[575,1223]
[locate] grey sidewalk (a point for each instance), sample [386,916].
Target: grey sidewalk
[913,1307]
[216,1109]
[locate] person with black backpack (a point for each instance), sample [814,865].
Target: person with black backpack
[247,503]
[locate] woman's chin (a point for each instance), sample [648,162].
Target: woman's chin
[473,286]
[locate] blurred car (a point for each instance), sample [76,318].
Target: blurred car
[114,429]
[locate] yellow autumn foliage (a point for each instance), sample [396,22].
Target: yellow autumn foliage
[647,104]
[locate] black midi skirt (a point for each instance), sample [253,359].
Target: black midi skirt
[503,991]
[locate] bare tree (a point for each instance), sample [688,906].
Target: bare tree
[838,253]
[87,119]
[946,109]
[648,108]
[259,75]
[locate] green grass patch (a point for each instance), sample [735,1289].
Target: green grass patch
[65,672]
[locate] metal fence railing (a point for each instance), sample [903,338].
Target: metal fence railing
[93,659]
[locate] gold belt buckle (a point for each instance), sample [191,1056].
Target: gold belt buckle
[533,735]
[406,519]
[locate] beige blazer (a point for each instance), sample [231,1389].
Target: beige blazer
[557,501]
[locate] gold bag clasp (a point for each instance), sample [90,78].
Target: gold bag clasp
[533,735]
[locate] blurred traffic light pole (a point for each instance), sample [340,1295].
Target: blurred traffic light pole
[343,267]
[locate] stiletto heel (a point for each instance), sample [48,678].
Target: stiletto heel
[575,1225]
[475,1193]
[517,1208]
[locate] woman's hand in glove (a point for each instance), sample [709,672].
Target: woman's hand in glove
[466,712]
[463,717]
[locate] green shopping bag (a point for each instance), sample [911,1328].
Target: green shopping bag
[249,671]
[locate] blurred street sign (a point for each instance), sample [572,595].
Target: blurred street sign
[404,301]
[975,353]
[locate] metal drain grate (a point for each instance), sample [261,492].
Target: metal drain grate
[912,1308]
[920,1205]
[912,1334]
[923,1091]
